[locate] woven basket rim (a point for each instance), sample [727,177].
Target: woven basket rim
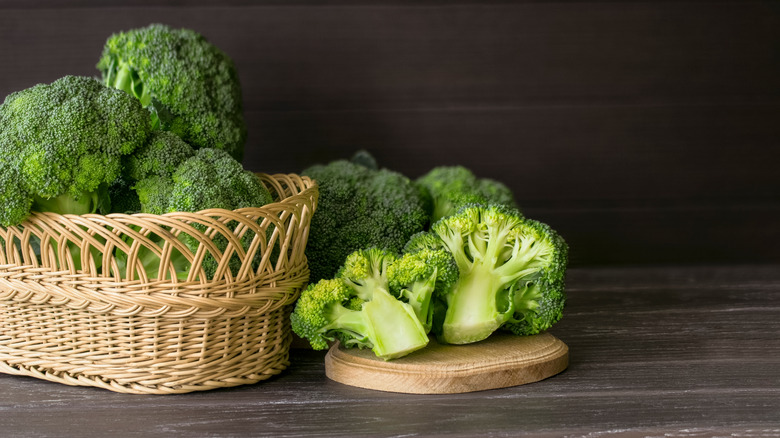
[204,297]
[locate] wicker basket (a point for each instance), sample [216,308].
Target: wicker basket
[76,306]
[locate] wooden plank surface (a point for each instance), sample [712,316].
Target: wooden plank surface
[595,113]
[653,352]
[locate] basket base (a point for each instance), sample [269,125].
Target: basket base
[135,387]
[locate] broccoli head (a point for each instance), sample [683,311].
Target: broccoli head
[511,273]
[448,188]
[360,207]
[210,178]
[63,143]
[190,87]
[358,309]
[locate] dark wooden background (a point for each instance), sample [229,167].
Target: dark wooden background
[646,132]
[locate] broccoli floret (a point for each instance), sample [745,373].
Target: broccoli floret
[358,309]
[360,208]
[422,277]
[448,188]
[63,143]
[210,178]
[190,87]
[511,273]
[160,156]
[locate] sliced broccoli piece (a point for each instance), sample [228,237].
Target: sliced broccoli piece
[360,208]
[511,273]
[358,309]
[190,86]
[448,188]
[422,277]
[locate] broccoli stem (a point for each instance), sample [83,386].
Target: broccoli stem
[419,297]
[86,203]
[473,311]
[393,326]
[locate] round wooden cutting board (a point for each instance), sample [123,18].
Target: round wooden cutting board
[500,361]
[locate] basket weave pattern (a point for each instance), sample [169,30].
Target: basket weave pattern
[77,305]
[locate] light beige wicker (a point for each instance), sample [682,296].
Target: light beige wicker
[77,306]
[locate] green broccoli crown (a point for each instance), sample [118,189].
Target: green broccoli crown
[539,298]
[424,240]
[511,272]
[366,270]
[209,179]
[449,188]
[360,208]
[16,201]
[160,156]
[188,84]
[65,140]
[424,266]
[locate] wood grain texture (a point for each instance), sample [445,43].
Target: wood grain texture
[642,131]
[501,361]
[665,351]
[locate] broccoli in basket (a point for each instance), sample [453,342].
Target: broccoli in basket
[190,87]
[62,144]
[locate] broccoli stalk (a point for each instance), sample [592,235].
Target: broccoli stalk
[511,273]
[420,278]
[357,308]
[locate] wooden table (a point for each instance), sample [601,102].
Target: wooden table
[676,351]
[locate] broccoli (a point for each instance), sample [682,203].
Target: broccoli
[511,272]
[62,146]
[358,309]
[421,279]
[190,87]
[360,208]
[210,178]
[448,188]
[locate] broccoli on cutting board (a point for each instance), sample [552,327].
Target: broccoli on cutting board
[376,301]
[511,272]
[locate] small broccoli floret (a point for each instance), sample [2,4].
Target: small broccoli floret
[358,309]
[360,208]
[160,156]
[511,273]
[424,240]
[64,142]
[209,179]
[420,278]
[190,87]
[449,188]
